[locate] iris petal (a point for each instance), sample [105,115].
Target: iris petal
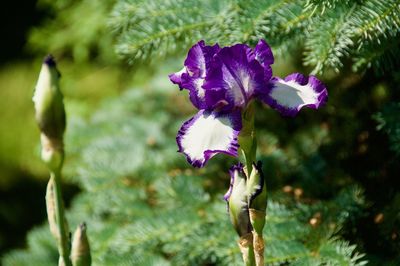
[176,77]
[235,75]
[294,92]
[263,54]
[191,77]
[209,133]
[198,59]
[196,91]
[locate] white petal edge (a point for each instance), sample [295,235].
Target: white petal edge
[209,133]
[295,92]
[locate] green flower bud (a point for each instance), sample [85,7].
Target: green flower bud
[50,113]
[48,100]
[257,197]
[236,198]
[80,253]
[256,188]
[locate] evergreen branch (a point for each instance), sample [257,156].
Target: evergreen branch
[383,57]
[330,40]
[375,19]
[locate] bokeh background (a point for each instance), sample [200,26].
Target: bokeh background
[333,174]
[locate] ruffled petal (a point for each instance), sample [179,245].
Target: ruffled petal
[176,77]
[236,76]
[198,59]
[263,54]
[191,77]
[294,92]
[209,133]
[196,91]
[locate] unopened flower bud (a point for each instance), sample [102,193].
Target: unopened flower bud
[80,253]
[50,113]
[256,188]
[257,193]
[48,100]
[236,198]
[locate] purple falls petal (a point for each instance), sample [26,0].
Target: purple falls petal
[294,92]
[234,77]
[209,133]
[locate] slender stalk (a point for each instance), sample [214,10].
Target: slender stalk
[247,137]
[63,241]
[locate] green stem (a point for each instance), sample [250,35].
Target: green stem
[247,137]
[251,261]
[63,241]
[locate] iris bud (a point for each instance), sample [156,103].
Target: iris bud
[236,198]
[257,195]
[80,253]
[257,192]
[50,113]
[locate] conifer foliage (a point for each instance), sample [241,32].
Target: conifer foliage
[332,33]
[144,207]
[143,204]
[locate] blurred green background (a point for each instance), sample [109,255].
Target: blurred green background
[351,145]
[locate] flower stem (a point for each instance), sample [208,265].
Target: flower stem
[63,241]
[247,137]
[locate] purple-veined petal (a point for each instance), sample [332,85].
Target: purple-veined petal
[176,77]
[294,92]
[196,91]
[263,54]
[234,76]
[209,133]
[197,63]
[198,59]
[191,77]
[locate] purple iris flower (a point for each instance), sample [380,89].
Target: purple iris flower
[222,82]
